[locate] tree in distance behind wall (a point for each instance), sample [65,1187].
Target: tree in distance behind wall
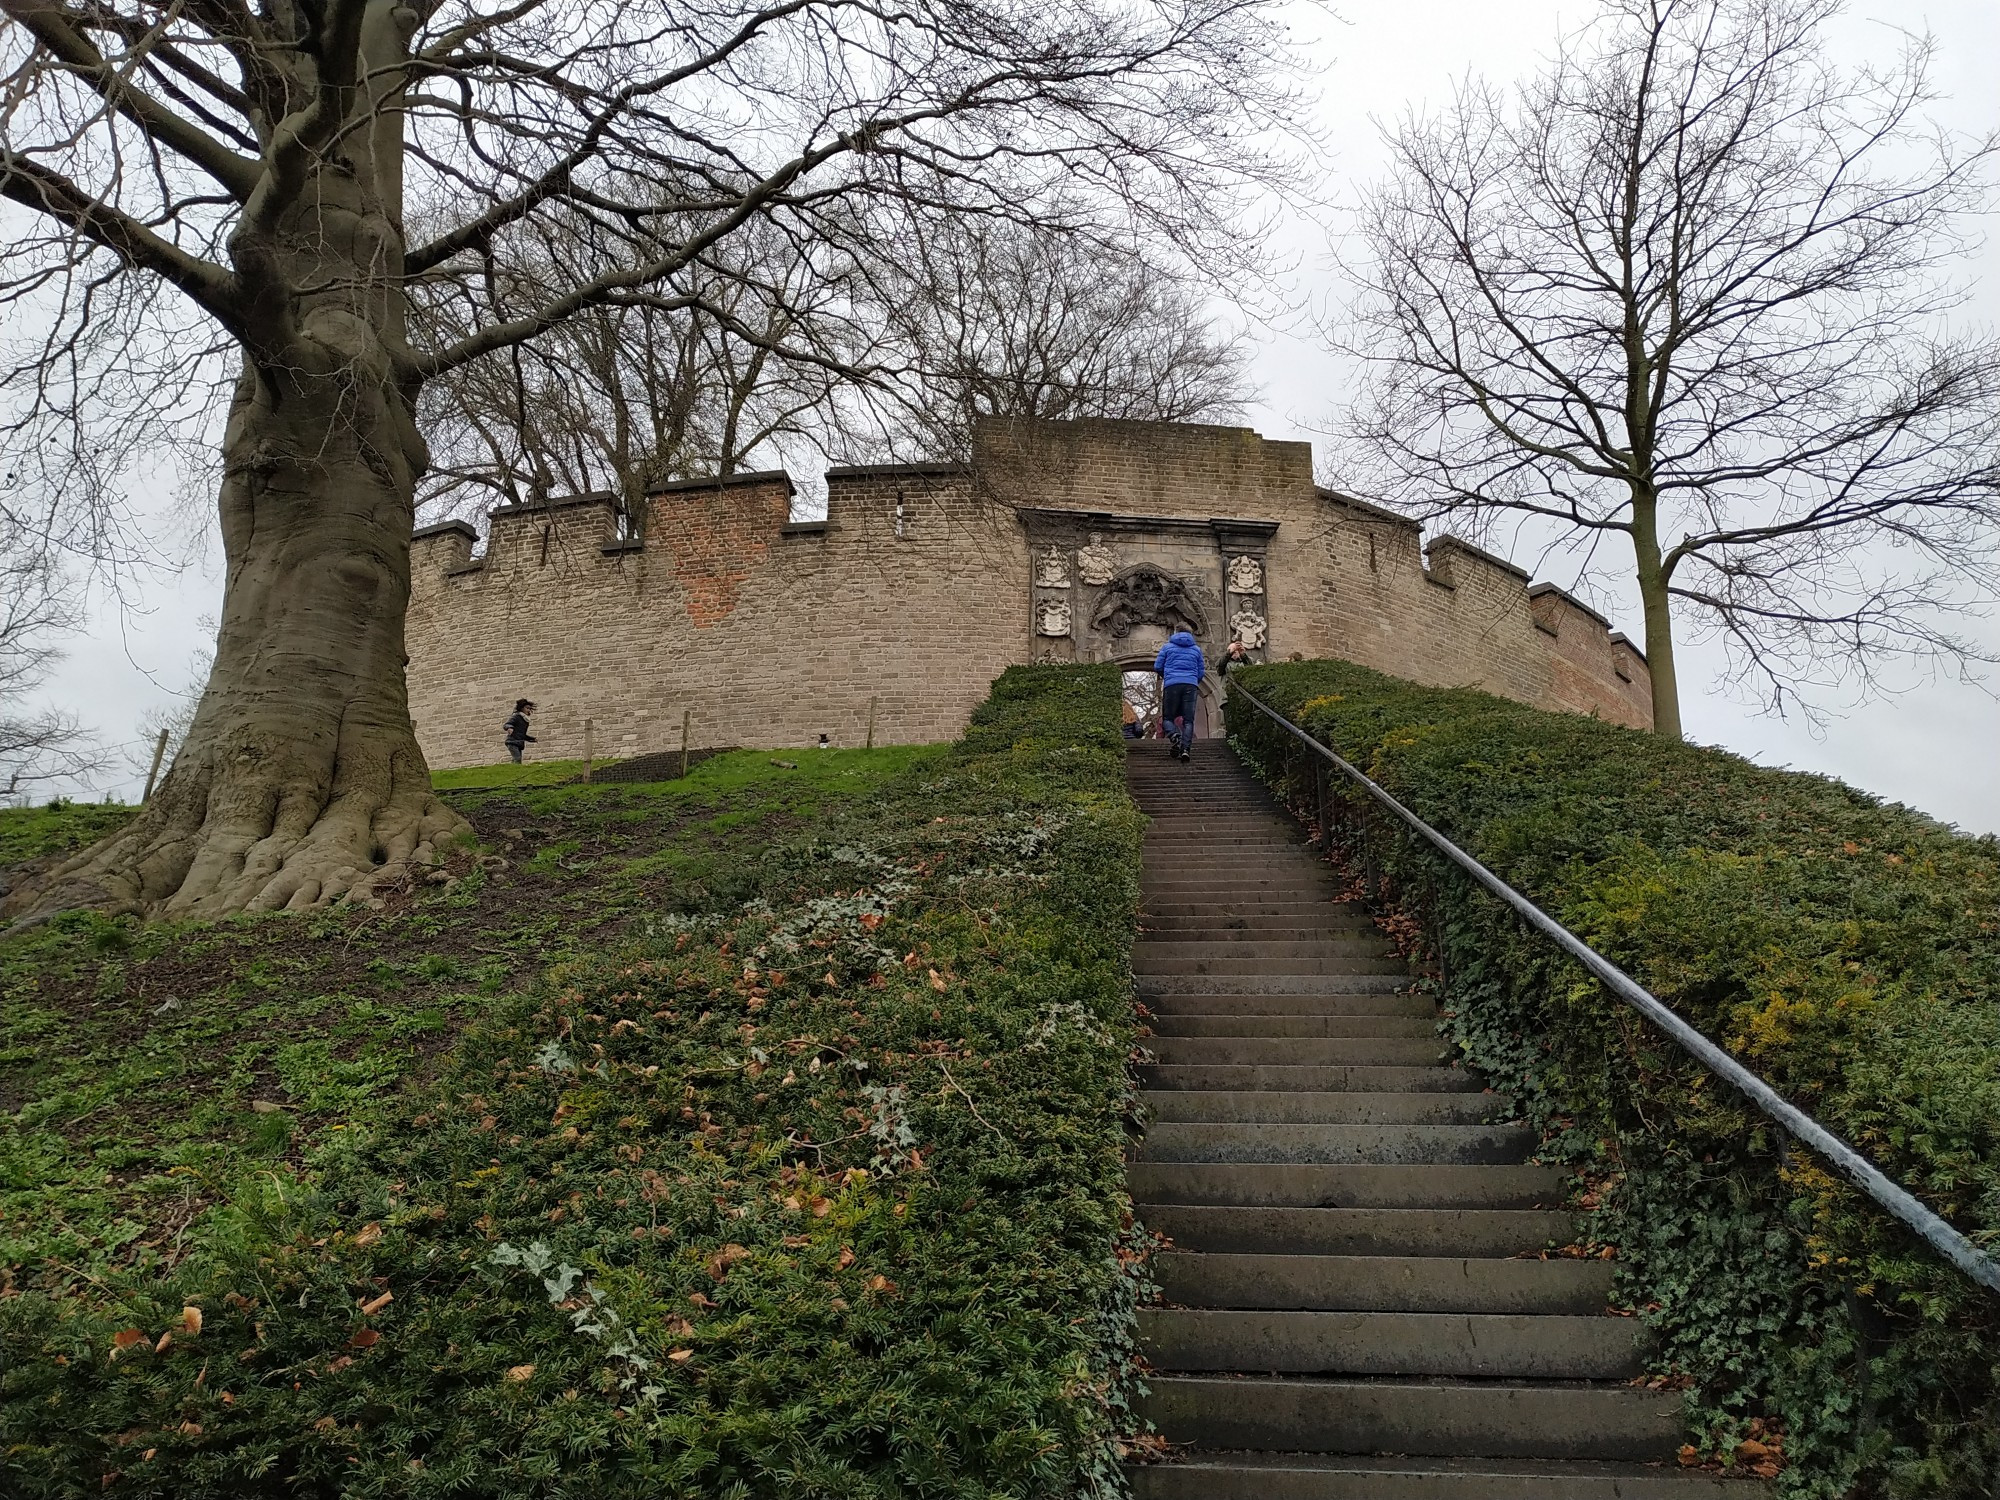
[1684,292]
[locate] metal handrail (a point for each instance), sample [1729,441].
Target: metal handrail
[1946,1240]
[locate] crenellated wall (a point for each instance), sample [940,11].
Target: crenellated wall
[925,580]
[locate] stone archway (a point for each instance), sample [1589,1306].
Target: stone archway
[1208,701]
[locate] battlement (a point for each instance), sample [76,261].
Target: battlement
[1060,541]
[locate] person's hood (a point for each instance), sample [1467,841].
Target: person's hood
[1180,638]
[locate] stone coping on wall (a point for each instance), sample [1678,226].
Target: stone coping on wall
[721,481]
[554,502]
[1045,516]
[445,528]
[1460,544]
[1376,512]
[1542,590]
[931,470]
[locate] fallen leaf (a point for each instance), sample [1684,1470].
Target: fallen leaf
[937,981]
[376,1304]
[365,1338]
[325,1424]
[125,1338]
[368,1235]
[846,1257]
[190,1321]
[191,1429]
[821,1207]
[335,1366]
[680,1356]
[166,1339]
[869,919]
[1690,1456]
[881,1283]
[520,1372]
[720,1262]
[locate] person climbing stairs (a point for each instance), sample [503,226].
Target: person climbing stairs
[1356,1303]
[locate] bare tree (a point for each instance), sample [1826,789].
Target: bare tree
[622,398]
[993,318]
[37,605]
[264,163]
[1687,285]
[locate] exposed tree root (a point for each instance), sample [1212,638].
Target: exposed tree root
[230,837]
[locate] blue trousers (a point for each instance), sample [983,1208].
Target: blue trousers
[1177,702]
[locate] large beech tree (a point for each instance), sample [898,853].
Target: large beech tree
[1679,299]
[264,163]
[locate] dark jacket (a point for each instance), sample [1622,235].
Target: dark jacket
[1180,662]
[517,730]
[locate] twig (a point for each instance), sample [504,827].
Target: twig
[946,1070]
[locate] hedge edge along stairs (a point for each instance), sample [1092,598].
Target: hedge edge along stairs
[1355,1302]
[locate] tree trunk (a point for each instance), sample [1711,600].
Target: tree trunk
[300,780]
[1658,606]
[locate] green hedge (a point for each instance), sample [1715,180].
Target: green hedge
[1846,950]
[818,1193]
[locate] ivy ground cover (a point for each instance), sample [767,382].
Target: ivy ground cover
[1846,950]
[758,1134]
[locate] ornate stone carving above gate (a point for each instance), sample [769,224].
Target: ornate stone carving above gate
[1095,564]
[1109,587]
[1146,596]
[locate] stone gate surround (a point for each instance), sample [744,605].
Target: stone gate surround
[1062,541]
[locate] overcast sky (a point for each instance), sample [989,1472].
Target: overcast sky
[1933,747]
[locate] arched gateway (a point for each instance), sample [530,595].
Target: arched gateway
[1062,541]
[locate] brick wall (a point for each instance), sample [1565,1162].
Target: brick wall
[913,593]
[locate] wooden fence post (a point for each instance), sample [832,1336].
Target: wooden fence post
[871,723]
[589,747]
[687,715]
[159,750]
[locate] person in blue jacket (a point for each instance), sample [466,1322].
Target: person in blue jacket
[1180,666]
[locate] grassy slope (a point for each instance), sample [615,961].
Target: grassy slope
[752,1134]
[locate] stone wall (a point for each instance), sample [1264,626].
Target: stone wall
[923,583]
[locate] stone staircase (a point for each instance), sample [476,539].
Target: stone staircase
[1353,1304]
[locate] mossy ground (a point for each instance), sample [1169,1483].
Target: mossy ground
[757,1133]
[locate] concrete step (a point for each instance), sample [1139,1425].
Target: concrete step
[1362,961]
[1343,1185]
[1384,1283]
[1466,1346]
[1367,1003]
[1270,984]
[1322,1051]
[1188,1023]
[1260,1106]
[1253,911]
[1445,1420]
[1326,945]
[1386,1145]
[1309,1476]
[1231,1077]
[1277,930]
[1444,1234]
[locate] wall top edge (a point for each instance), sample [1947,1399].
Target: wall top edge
[720,481]
[935,469]
[555,502]
[445,528]
[1032,516]
[1619,638]
[1460,544]
[1367,508]
[1539,590]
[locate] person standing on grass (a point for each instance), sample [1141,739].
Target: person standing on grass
[518,738]
[1180,665]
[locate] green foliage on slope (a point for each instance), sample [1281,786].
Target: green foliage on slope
[754,1135]
[1847,951]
